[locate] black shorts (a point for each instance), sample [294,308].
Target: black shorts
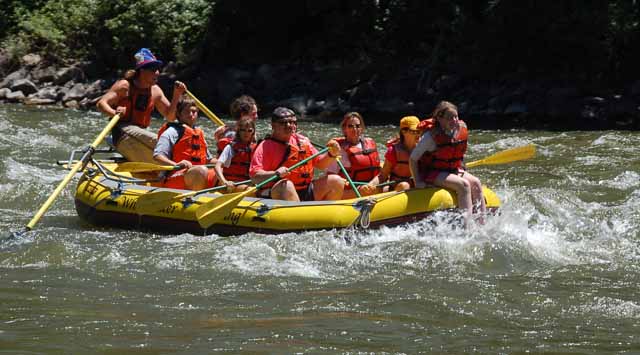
[306,194]
[303,195]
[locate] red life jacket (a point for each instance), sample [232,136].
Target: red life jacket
[191,144]
[139,106]
[302,175]
[426,124]
[449,151]
[226,139]
[400,171]
[238,169]
[365,161]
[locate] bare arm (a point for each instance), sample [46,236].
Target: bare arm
[223,159]
[107,103]
[415,173]
[179,88]
[426,144]
[163,105]
[328,158]
[384,173]
[218,170]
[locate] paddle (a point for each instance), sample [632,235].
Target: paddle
[206,111]
[158,200]
[141,167]
[212,211]
[380,184]
[506,156]
[79,165]
[344,171]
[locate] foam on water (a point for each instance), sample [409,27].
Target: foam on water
[18,171]
[556,269]
[610,308]
[626,180]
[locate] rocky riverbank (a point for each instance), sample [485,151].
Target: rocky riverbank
[382,93]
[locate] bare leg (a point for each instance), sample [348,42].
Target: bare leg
[477,196]
[196,178]
[284,190]
[328,187]
[462,189]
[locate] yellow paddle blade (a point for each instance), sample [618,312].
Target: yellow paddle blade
[212,116]
[216,209]
[156,201]
[506,156]
[140,167]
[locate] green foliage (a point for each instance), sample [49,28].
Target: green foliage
[59,30]
[11,11]
[171,29]
[569,38]
[107,32]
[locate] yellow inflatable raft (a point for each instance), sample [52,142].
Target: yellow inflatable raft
[103,198]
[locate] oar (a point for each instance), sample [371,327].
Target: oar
[158,200]
[506,156]
[344,171]
[141,167]
[206,111]
[381,184]
[79,165]
[214,210]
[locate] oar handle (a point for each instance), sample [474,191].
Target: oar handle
[210,189]
[382,184]
[80,164]
[206,111]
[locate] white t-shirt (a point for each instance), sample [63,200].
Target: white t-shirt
[426,144]
[227,154]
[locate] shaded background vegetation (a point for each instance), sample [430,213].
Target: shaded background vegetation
[525,63]
[573,40]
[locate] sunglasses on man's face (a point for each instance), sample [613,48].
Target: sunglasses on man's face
[287,122]
[250,130]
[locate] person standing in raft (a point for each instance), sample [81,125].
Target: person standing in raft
[360,156]
[242,107]
[134,97]
[235,159]
[437,159]
[284,148]
[396,159]
[183,144]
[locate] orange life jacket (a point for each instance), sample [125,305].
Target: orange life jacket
[302,175]
[400,171]
[191,144]
[365,161]
[139,106]
[449,151]
[238,169]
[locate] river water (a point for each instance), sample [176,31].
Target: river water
[557,271]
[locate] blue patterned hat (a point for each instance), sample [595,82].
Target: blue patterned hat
[144,59]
